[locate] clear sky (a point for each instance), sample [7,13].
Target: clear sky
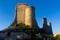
[49,9]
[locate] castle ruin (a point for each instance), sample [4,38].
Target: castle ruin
[26,15]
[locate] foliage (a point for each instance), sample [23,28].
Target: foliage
[26,28]
[57,37]
[37,37]
[21,26]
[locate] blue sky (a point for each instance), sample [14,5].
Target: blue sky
[49,9]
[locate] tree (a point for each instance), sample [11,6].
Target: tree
[57,37]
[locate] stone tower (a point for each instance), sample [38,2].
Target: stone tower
[26,15]
[44,22]
[47,26]
[20,13]
[29,16]
[46,31]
